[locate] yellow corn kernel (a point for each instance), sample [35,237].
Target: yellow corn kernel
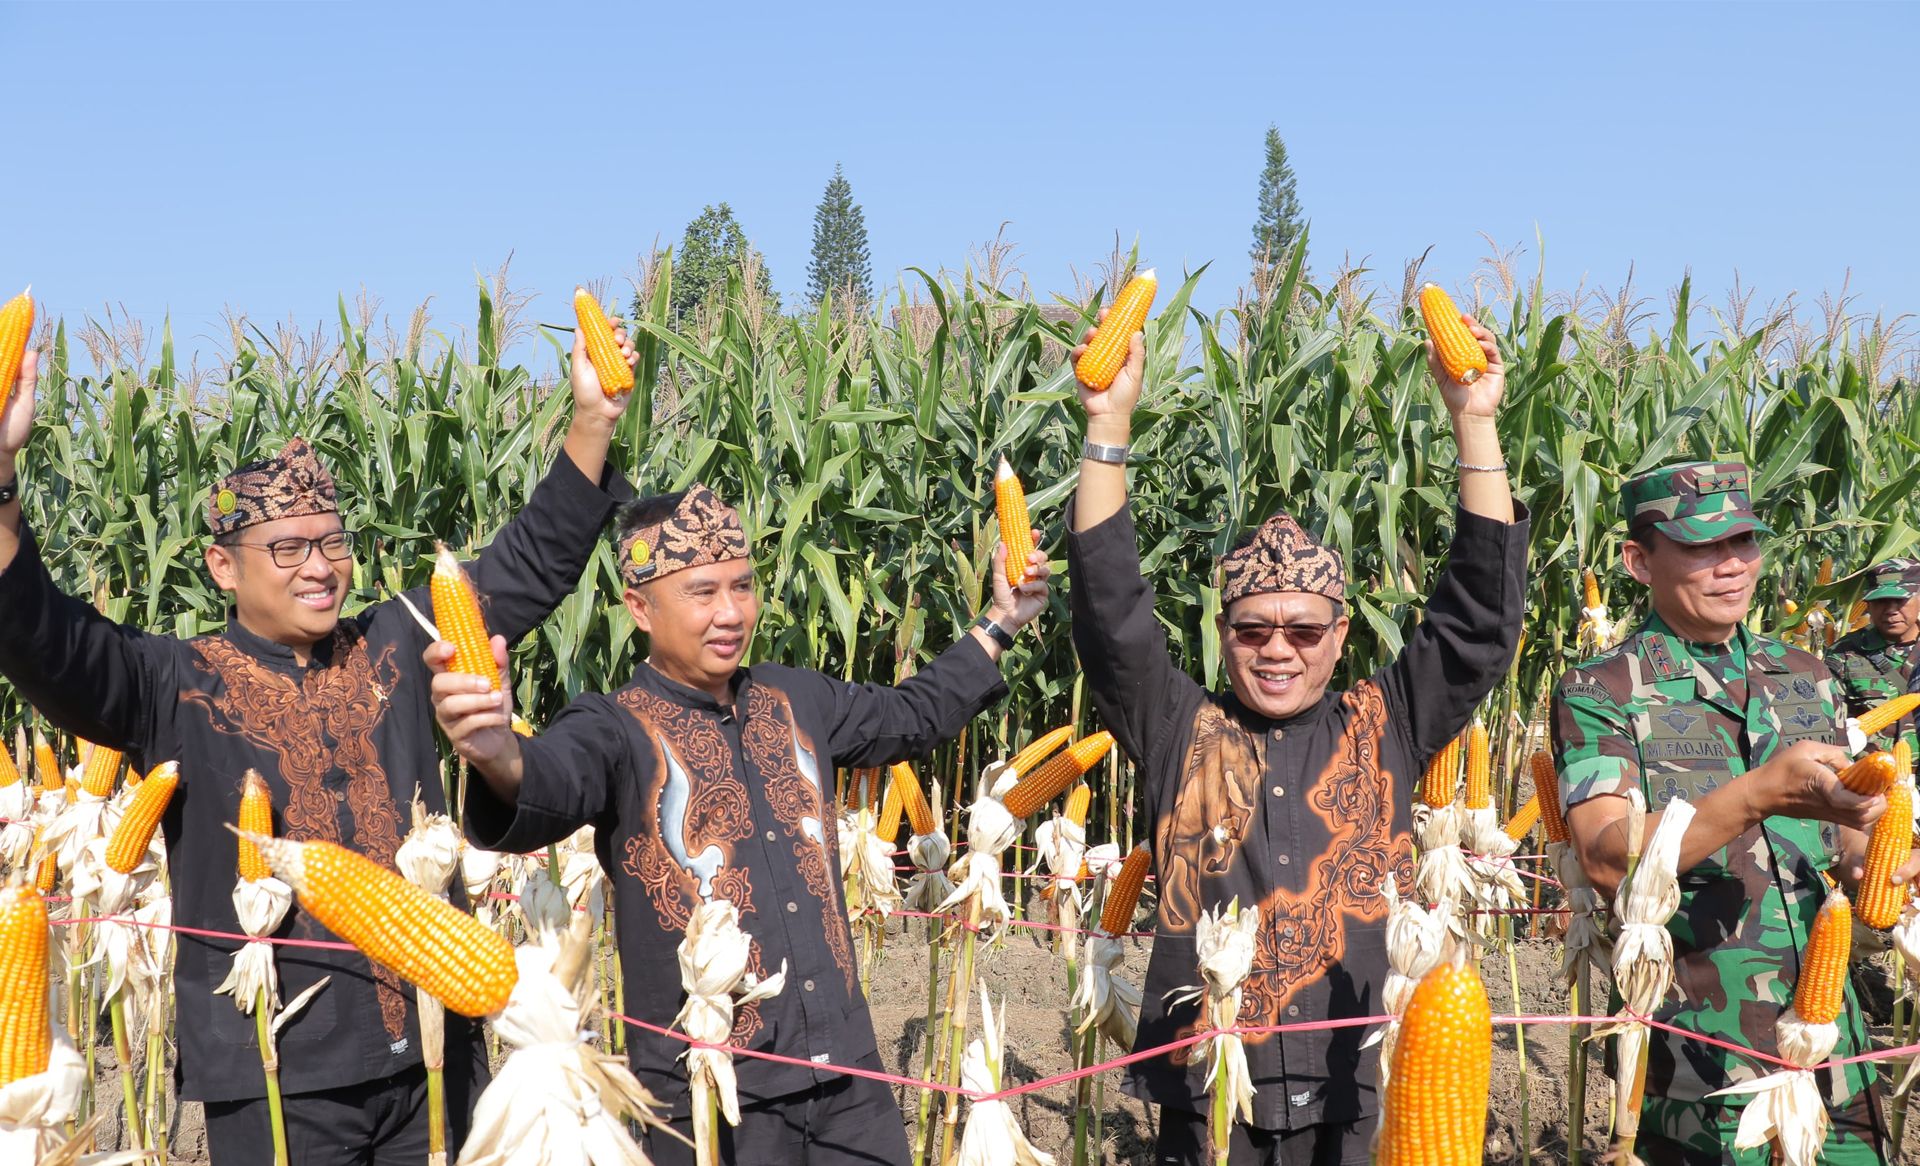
[1871,774]
[135,832]
[1051,780]
[1079,801]
[1461,357]
[912,799]
[1590,587]
[522,726]
[1116,916]
[256,818]
[887,824]
[1436,1104]
[26,1034]
[1883,715]
[1546,787]
[1016,530]
[1106,353]
[101,768]
[1039,749]
[1524,819]
[46,766]
[1443,776]
[16,328]
[9,773]
[1479,768]
[1826,572]
[1887,851]
[1821,990]
[456,611]
[427,941]
[608,361]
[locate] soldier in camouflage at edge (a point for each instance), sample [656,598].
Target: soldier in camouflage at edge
[1694,704]
[1875,664]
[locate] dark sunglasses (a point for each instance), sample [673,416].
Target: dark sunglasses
[1300,635]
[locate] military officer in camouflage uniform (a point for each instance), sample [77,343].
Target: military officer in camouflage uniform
[1694,704]
[1875,663]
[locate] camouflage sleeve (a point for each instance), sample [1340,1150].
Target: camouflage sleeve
[1593,744]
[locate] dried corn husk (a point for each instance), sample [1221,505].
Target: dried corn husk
[1495,883]
[1643,955]
[18,816]
[261,905]
[713,970]
[477,871]
[992,1136]
[929,852]
[430,853]
[1416,940]
[1063,848]
[1442,875]
[991,828]
[1223,939]
[866,868]
[1586,940]
[543,906]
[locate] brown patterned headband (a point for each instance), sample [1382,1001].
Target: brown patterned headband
[288,484]
[1282,557]
[701,530]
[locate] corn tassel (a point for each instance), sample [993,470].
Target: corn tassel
[1461,357]
[1871,774]
[1883,715]
[1546,787]
[1887,851]
[1479,768]
[1436,1103]
[102,766]
[256,818]
[1038,750]
[1124,894]
[1052,779]
[1524,819]
[1443,776]
[1821,990]
[1016,527]
[456,609]
[16,328]
[427,941]
[1078,803]
[608,361]
[135,832]
[1106,353]
[26,1034]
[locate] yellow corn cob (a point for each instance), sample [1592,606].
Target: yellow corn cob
[1016,530]
[615,377]
[1124,894]
[456,610]
[1524,818]
[256,818]
[1079,801]
[912,799]
[1436,1103]
[26,1037]
[1479,768]
[44,878]
[9,773]
[1902,760]
[1052,779]
[1871,774]
[1883,715]
[854,795]
[46,765]
[16,327]
[131,837]
[888,824]
[1461,357]
[1546,787]
[1038,750]
[103,765]
[522,726]
[1826,572]
[1821,990]
[1887,851]
[1106,353]
[427,941]
[1443,775]
[1590,586]
[1857,615]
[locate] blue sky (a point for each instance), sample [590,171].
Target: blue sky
[184,158]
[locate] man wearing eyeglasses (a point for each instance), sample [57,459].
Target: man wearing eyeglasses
[1281,793]
[334,713]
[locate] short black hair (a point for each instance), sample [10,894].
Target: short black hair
[644,512]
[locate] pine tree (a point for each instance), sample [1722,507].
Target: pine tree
[713,243]
[840,265]
[1279,223]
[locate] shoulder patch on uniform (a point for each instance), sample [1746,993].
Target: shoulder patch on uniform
[1585,691]
[1658,650]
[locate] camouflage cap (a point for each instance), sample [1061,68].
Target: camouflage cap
[1692,502]
[1894,579]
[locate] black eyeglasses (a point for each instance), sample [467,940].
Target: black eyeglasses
[1300,635]
[291,552]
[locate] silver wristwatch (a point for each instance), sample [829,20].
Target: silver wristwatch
[1113,455]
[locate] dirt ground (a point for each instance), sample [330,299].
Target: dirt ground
[1028,980]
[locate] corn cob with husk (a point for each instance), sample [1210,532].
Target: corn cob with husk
[1643,955]
[1597,631]
[928,848]
[1106,353]
[46,765]
[1439,823]
[713,971]
[1224,941]
[992,1136]
[87,811]
[428,857]
[1882,717]
[1016,527]
[1057,774]
[1062,845]
[1416,940]
[867,878]
[1495,883]
[603,351]
[1104,1000]
[1435,1107]
[134,834]
[17,816]
[1785,1109]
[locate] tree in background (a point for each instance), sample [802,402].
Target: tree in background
[713,243]
[1279,223]
[840,265]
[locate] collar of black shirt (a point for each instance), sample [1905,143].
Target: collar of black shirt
[273,652]
[653,680]
[1263,724]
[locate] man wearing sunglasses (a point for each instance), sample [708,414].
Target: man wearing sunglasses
[1279,792]
[334,713]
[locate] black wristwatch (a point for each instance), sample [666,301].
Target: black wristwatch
[10,491]
[995,632]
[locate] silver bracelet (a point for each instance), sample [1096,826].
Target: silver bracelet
[1113,455]
[1499,469]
